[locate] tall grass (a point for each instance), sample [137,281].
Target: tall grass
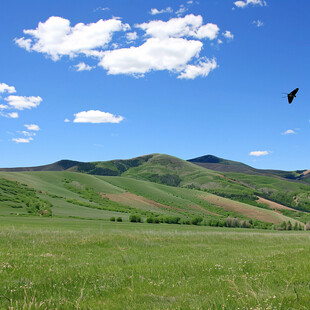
[72,264]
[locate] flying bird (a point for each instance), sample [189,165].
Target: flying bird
[292,95]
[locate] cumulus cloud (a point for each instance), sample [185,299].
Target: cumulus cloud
[289,132]
[188,26]
[258,23]
[155,54]
[22,102]
[202,69]
[3,106]
[175,45]
[67,120]
[32,127]
[13,115]
[6,88]
[131,36]
[245,3]
[56,38]
[156,11]
[96,116]
[22,140]
[259,153]
[82,66]
[228,35]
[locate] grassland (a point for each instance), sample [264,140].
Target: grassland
[73,257]
[49,263]
[84,196]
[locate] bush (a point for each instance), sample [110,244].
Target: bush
[119,219]
[196,220]
[150,220]
[156,220]
[135,218]
[308,226]
[112,219]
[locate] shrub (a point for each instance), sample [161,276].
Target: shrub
[112,219]
[308,226]
[135,218]
[289,225]
[156,220]
[119,219]
[149,220]
[196,220]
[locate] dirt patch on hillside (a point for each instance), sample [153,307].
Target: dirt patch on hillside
[249,211]
[138,202]
[202,209]
[273,205]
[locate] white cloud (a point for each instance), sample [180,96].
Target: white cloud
[170,54]
[82,66]
[6,88]
[13,115]
[24,43]
[56,38]
[67,120]
[182,9]
[289,132]
[187,26]
[3,107]
[174,45]
[96,116]
[202,69]
[259,153]
[101,9]
[32,127]
[22,140]
[228,35]
[245,3]
[258,23]
[156,11]
[28,134]
[22,102]
[131,36]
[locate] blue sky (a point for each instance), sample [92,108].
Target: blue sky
[100,80]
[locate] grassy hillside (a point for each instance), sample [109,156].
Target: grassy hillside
[159,186]
[72,194]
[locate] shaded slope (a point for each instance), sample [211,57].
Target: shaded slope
[57,166]
[223,165]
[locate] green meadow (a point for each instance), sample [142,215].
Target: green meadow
[60,249]
[57,263]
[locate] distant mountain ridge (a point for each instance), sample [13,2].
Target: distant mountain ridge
[224,165]
[120,166]
[60,165]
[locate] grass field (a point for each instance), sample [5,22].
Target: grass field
[49,263]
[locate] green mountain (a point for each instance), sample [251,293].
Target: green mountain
[224,165]
[156,186]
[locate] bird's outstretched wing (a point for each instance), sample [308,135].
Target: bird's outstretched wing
[292,95]
[294,92]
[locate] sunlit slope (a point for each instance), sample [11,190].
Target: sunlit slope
[130,195]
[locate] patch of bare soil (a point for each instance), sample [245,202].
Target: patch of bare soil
[202,209]
[305,172]
[230,205]
[273,205]
[136,201]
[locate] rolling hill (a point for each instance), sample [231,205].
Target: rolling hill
[156,186]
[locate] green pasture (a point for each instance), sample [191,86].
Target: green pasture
[49,263]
